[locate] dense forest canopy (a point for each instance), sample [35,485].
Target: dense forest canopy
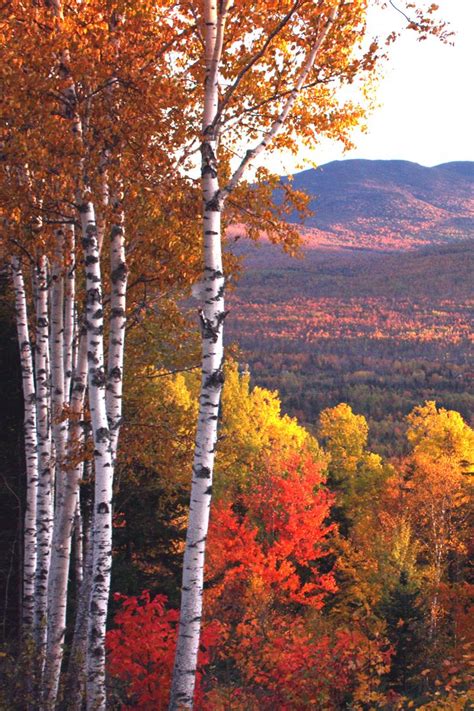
[381,330]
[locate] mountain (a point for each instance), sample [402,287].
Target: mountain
[387,204]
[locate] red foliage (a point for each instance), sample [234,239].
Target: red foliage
[272,545]
[266,589]
[287,666]
[141,651]
[271,647]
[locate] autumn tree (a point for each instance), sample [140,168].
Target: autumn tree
[236,58]
[435,433]
[66,152]
[404,559]
[354,472]
[441,493]
[158,432]
[265,641]
[268,75]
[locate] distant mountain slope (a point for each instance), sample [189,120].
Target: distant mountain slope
[388,204]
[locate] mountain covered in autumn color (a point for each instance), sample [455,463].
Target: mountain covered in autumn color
[387,204]
[377,310]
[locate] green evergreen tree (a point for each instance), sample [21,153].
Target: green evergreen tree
[404,620]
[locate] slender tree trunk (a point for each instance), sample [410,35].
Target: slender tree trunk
[57,369]
[76,685]
[118,271]
[61,553]
[212,318]
[104,197]
[31,451]
[78,545]
[102,539]
[44,511]
[69,314]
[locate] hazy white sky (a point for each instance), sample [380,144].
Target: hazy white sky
[426,111]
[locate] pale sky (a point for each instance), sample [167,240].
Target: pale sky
[426,98]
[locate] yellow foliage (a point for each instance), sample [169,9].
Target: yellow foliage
[252,428]
[344,432]
[438,433]
[161,410]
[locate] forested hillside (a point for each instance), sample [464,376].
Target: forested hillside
[388,204]
[380,329]
[336,579]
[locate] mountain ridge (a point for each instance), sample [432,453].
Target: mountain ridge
[387,204]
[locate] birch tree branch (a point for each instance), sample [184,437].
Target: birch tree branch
[245,70]
[280,120]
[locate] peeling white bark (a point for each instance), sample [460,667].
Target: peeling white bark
[62,537]
[78,545]
[212,317]
[57,369]
[76,684]
[31,450]
[118,272]
[44,511]
[69,313]
[102,520]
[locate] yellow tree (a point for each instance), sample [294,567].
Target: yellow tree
[354,472]
[441,499]
[436,433]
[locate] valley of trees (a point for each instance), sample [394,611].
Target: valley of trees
[380,331]
[326,576]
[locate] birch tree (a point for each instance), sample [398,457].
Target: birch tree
[45,482]
[212,317]
[272,75]
[63,531]
[91,153]
[31,449]
[89,179]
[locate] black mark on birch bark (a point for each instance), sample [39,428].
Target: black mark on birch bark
[102,434]
[202,472]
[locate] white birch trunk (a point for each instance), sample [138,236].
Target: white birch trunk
[62,538]
[57,369]
[118,272]
[102,519]
[78,545]
[69,315]
[76,686]
[44,511]
[212,317]
[31,450]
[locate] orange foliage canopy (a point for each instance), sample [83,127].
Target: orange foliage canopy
[262,549]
